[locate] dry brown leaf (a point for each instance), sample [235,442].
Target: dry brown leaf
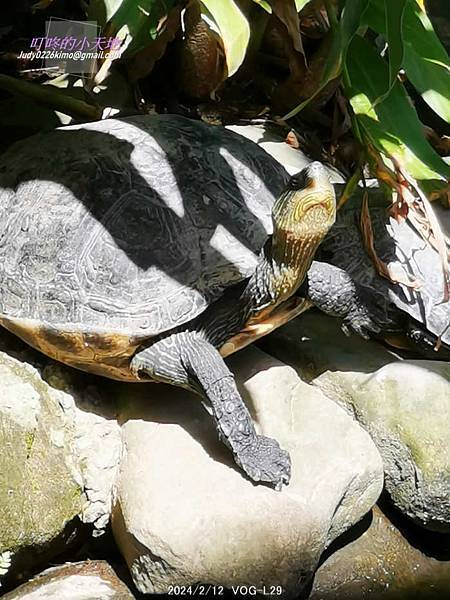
[382,268]
[404,184]
[350,187]
[382,172]
[419,221]
[439,340]
[292,140]
[440,143]
[285,26]
[441,194]
[314,19]
[399,209]
[286,12]
[41,5]
[435,228]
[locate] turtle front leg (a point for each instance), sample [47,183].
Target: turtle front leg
[188,360]
[334,292]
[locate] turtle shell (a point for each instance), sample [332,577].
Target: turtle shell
[408,256]
[115,231]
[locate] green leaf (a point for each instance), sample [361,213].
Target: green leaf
[341,36]
[392,125]
[102,10]
[299,4]
[351,17]
[55,99]
[138,23]
[394,12]
[425,60]
[265,5]
[233,28]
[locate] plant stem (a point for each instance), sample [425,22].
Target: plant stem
[53,98]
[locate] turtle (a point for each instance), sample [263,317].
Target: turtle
[407,306]
[149,247]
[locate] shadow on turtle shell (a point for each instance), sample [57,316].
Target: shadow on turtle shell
[99,170]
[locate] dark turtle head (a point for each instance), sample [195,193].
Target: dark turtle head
[306,209]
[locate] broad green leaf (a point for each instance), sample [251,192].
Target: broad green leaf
[233,28]
[425,60]
[342,34]
[102,10]
[299,4]
[394,12]
[392,125]
[138,23]
[351,17]
[264,4]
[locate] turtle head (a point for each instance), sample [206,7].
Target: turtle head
[302,216]
[307,206]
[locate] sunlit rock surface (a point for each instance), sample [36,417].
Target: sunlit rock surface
[405,406]
[89,580]
[57,464]
[185,514]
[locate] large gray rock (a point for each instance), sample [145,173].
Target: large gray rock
[89,580]
[381,564]
[97,438]
[405,406]
[57,465]
[184,514]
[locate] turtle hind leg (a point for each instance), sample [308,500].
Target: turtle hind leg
[188,360]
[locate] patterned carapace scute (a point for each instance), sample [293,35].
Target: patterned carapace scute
[132,224]
[408,256]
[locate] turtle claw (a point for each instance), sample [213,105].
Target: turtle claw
[360,323]
[264,461]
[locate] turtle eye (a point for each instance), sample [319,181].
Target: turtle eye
[297,181]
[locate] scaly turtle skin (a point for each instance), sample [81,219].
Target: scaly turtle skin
[139,248]
[345,282]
